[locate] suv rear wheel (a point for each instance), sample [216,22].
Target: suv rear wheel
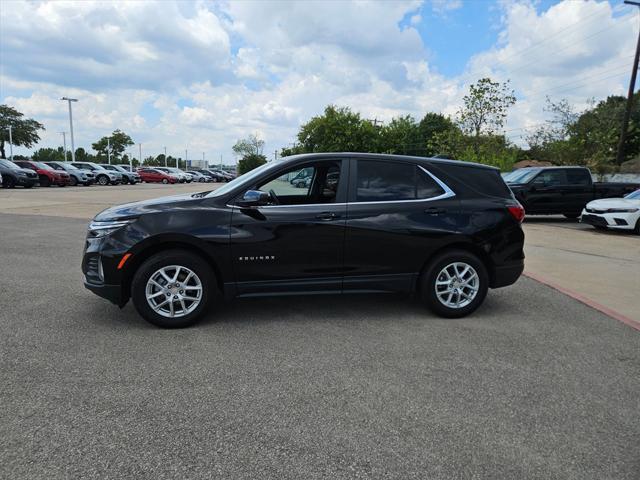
[454,284]
[172,289]
[103,180]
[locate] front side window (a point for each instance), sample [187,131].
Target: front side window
[551,178]
[303,185]
[379,181]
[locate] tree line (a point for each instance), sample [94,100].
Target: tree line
[475,133]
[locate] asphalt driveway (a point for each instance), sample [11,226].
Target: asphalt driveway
[534,385]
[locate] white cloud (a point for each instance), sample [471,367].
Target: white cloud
[200,75]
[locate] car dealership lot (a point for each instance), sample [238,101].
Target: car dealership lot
[533,385]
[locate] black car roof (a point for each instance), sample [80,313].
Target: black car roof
[384,156]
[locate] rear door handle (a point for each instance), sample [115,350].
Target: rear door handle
[326,216]
[434,211]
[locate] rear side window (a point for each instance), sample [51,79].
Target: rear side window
[551,178]
[578,176]
[389,181]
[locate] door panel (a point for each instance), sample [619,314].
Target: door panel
[293,246]
[387,242]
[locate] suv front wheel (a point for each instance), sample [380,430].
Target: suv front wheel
[172,289]
[454,284]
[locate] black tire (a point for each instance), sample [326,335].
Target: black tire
[167,258]
[165,181]
[73,181]
[44,181]
[637,229]
[102,180]
[571,215]
[430,276]
[9,182]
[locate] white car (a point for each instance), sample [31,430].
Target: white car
[614,213]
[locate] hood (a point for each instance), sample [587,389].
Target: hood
[154,205]
[605,203]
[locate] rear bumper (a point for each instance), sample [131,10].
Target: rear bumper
[505,275]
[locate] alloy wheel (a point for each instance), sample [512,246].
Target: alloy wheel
[457,285]
[173,291]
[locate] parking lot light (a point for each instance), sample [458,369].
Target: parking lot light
[73,148]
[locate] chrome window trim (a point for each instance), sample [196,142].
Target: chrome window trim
[448,193]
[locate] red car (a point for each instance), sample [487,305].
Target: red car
[47,175]
[152,175]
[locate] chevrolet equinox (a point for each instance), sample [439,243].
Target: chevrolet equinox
[444,229]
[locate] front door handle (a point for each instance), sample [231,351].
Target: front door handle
[326,216]
[434,211]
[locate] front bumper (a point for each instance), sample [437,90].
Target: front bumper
[113,293]
[27,181]
[618,221]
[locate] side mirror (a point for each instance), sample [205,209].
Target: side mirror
[254,198]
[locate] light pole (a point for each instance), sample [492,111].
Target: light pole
[632,87]
[140,153]
[64,144]
[165,156]
[10,144]
[203,158]
[73,148]
[186,156]
[108,150]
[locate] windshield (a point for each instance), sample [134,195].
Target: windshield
[521,175]
[246,178]
[96,166]
[42,166]
[67,166]
[633,195]
[8,164]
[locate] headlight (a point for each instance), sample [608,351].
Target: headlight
[622,210]
[22,174]
[102,229]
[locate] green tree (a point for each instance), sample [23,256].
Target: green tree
[433,124]
[24,131]
[116,143]
[48,155]
[249,162]
[337,130]
[83,156]
[401,136]
[485,108]
[252,145]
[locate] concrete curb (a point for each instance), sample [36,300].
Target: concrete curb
[587,301]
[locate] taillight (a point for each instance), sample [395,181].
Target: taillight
[517,212]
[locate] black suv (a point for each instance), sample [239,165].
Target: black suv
[447,230]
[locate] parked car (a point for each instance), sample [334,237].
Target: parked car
[47,176]
[127,167]
[447,230]
[12,175]
[215,176]
[102,175]
[127,177]
[76,175]
[152,175]
[560,190]
[228,177]
[176,172]
[199,177]
[614,213]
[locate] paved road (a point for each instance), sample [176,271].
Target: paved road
[535,385]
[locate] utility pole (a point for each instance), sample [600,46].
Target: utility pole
[10,144]
[73,146]
[186,156]
[275,155]
[375,122]
[108,150]
[140,153]
[64,144]
[632,87]
[165,156]
[203,158]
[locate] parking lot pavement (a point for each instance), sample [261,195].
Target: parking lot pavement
[603,266]
[85,202]
[534,385]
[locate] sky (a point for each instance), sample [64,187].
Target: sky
[199,75]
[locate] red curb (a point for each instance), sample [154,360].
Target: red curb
[587,301]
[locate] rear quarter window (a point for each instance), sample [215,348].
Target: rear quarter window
[486,181]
